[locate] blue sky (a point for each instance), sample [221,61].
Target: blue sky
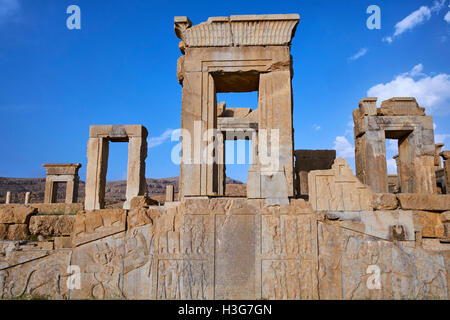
[120,68]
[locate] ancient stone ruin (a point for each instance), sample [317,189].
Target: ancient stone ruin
[237,54]
[98,149]
[61,173]
[308,227]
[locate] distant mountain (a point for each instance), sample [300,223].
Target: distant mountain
[115,190]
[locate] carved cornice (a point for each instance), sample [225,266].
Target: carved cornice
[241,30]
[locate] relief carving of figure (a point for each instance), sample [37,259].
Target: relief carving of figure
[280,285]
[106,273]
[199,281]
[274,234]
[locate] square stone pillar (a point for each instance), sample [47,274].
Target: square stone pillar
[8,197]
[254,171]
[170,193]
[97,154]
[275,129]
[136,184]
[27,198]
[417,170]
[72,189]
[221,177]
[370,160]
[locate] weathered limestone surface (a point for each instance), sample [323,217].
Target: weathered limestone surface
[429,223]
[142,201]
[338,189]
[237,30]
[378,223]
[52,225]
[97,224]
[17,232]
[57,208]
[406,272]
[169,193]
[12,213]
[35,274]
[8,197]
[430,202]
[384,201]
[27,198]
[225,248]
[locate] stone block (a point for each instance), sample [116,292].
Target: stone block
[142,216]
[44,245]
[57,208]
[429,223]
[62,168]
[367,107]
[142,202]
[384,201]
[377,223]
[445,216]
[401,107]
[17,232]
[16,213]
[52,225]
[235,273]
[96,224]
[63,242]
[338,189]
[429,202]
[3,231]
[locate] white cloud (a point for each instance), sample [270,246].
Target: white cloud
[411,21]
[359,54]
[8,8]
[156,141]
[431,92]
[414,19]
[415,71]
[447,17]
[438,5]
[343,147]
[316,127]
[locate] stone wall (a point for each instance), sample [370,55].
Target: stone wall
[236,248]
